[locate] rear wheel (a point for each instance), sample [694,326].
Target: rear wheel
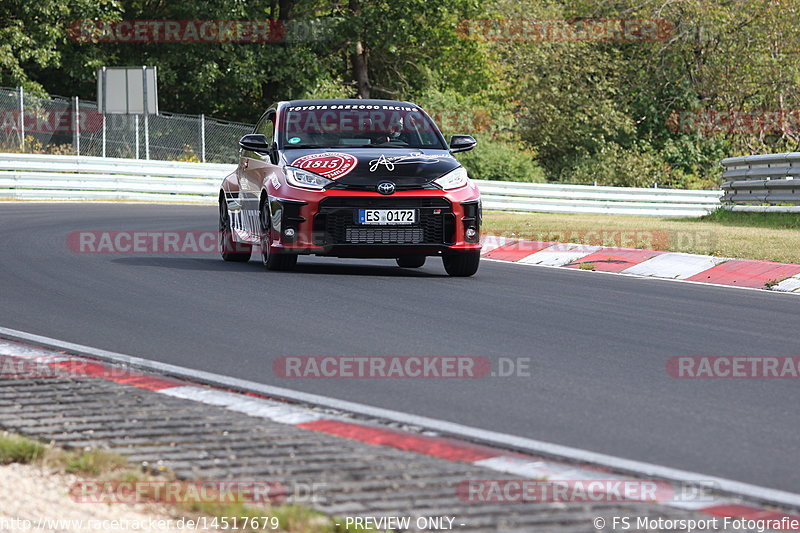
[411,261]
[229,249]
[270,259]
[461,264]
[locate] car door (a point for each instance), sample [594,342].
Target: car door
[254,168]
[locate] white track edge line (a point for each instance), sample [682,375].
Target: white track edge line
[762,494]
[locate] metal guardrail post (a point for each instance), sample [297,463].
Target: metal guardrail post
[105,77]
[21,101]
[146,137]
[76,125]
[136,121]
[146,116]
[202,137]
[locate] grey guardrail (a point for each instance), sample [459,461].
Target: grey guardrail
[558,198]
[51,177]
[67,177]
[762,182]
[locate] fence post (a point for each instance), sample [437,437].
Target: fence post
[146,137]
[104,78]
[21,99]
[202,137]
[136,120]
[146,115]
[76,125]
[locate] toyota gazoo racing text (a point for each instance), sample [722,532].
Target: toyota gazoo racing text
[351,178]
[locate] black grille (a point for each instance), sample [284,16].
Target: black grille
[335,223]
[395,235]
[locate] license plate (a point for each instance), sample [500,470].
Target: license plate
[385,217]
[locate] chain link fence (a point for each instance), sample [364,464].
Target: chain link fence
[69,126]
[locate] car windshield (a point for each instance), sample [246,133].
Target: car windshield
[359,126]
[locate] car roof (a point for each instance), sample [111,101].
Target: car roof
[343,101]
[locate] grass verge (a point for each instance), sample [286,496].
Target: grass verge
[17,449]
[754,220]
[760,236]
[108,466]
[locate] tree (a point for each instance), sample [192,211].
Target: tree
[34,36]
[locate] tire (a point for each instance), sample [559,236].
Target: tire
[462,264]
[270,259]
[229,249]
[411,261]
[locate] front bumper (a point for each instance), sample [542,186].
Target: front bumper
[323,223]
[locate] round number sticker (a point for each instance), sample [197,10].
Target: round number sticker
[332,165]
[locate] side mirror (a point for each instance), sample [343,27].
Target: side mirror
[462,143]
[255,142]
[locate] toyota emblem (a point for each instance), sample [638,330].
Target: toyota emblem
[386,187]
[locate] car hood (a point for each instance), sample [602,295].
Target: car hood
[365,167]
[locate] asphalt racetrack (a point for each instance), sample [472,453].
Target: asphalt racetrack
[599,344]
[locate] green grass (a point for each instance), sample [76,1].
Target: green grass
[110,466]
[16,449]
[754,220]
[92,462]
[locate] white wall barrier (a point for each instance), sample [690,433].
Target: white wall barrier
[60,177]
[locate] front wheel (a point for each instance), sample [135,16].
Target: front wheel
[411,261]
[461,264]
[269,258]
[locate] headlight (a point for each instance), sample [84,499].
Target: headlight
[454,179]
[305,179]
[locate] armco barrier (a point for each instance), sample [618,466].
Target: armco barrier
[556,198]
[761,182]
[67,177]
[46,177]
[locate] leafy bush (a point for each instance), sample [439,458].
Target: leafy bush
[499,154]
[35,146]
[638,166]
[501,160]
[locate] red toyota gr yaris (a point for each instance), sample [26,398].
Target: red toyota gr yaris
[351,178]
